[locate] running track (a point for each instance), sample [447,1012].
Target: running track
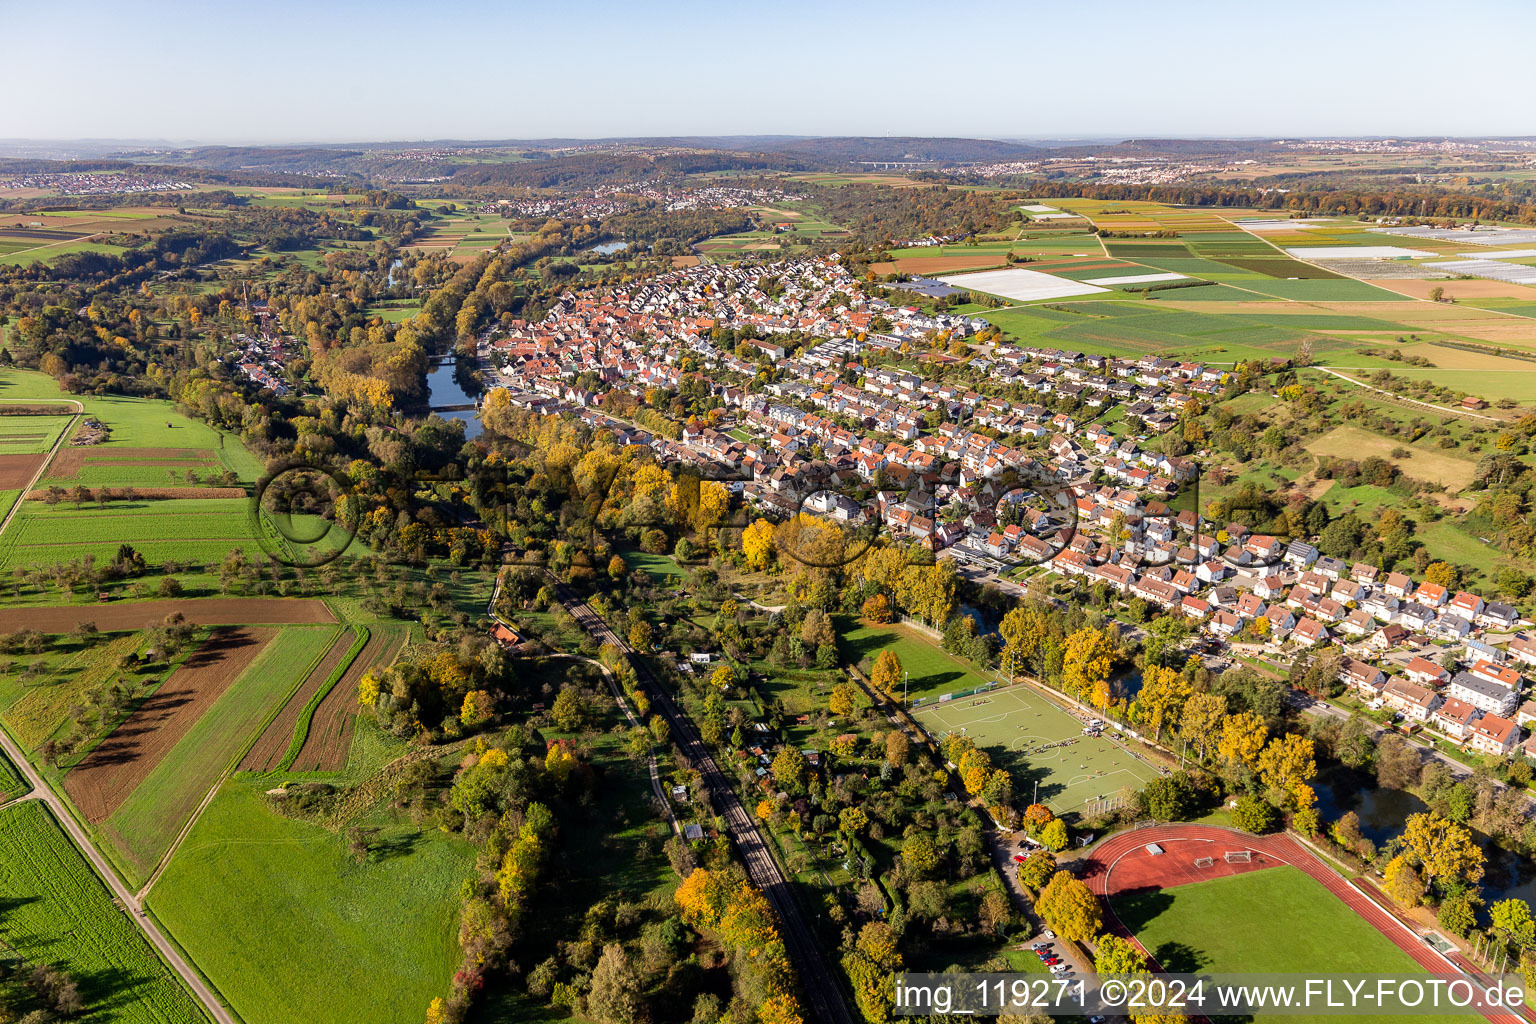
[1100,866]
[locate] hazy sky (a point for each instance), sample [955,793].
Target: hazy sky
[282,70]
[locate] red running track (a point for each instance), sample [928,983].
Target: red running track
[1121,864]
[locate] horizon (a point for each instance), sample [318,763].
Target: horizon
[332,78]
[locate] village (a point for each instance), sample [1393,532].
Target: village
[1008,490]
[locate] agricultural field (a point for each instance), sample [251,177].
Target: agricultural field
[251,887]
[177,772]
[201,530]
[30,435]
[322,736]
[58,911]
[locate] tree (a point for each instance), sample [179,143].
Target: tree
[789,769]
[873,959]
[722,678]
[617,995]
[1202,716]
[1444,849]
[1443,573]
[1402,882]
[1114,955]
[640,635]
[1023,630]
[1458,912]
[1253,814]
[476,709]
[1037,870]
[1242,739]
[1286,764]
[852,820]
[1089,656]
[569,710]
[886,677]
[1162,697]
[1169,797]
[1512,918]
[616,568]
[920,854]
[877,609]
[1054,835]
[1070,908]
[757,544]
[843,700]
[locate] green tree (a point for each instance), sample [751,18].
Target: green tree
[617,993]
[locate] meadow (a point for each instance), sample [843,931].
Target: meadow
[250,886]
[147,823]
[58,911]
[185,529]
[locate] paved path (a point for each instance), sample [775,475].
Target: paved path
[1408,401]
[1099,874]
[822,991]
[42,467]
[130,902]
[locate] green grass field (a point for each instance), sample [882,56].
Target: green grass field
[58,911]
[930,670]
[658,567]
[36,695]
[1201,927]
[11,782]
[183,529]
[290,927]
[1021,729]
[30,435]
[145,826]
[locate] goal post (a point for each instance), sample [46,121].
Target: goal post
[1204,862]
[1239,856]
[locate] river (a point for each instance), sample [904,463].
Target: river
[443,389]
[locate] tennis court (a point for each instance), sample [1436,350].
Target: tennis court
[1040,741]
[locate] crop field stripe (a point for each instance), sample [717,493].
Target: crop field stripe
[330,731]
[320,661]
[147,823]
[60,912]
[307,713]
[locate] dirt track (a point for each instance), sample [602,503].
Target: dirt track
[16,471]
[123,615]
[111,772]
[330,732]
[272,744]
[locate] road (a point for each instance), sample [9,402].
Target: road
[42,467]
[40,791]
[130,902]
[1408,401]
[822,992]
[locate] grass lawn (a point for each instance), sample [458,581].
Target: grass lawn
[659,568]
[11,782]
[144,827]
[289,926]
[58,911]
[1203,927]
[930,671]
[1041,744]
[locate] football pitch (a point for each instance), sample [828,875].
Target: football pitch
[1040,742]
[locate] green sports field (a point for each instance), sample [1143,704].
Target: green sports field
[1040,742]
[1190,928]
[930,670]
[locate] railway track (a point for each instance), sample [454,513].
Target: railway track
[820,985]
